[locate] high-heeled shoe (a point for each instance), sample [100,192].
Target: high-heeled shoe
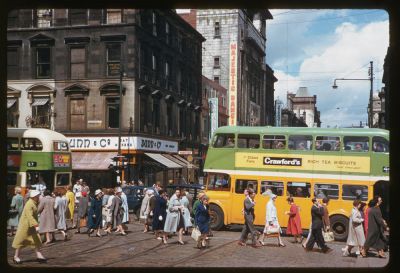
[181,243]
[17,260]
[90,232]
[98,235]
[164,242]
[281,245]
[41,260]
[123,233]
[261,242]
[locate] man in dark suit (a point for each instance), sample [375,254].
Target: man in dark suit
[249,217]
[317,212]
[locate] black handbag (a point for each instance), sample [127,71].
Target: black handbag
[12,213]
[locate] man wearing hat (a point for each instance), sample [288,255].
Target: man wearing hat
[27,232]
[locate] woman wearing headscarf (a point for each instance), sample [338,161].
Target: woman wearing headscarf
[27,232]
[60,207]
[376,227]
[17,204]
[355,237]
[186,212]
[47,218]
[294,223]
[110,213]
[83,210]
[174,221]
[271,220]
[202,220]
[94,214]
[159,215]
[117,209]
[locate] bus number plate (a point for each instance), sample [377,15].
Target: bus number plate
[31,163]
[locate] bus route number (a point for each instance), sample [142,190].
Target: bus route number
[31,163]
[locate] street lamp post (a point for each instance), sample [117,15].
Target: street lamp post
[371,79]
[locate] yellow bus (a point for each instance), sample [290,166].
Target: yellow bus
[340,164]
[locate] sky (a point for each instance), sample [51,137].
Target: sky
[310,48]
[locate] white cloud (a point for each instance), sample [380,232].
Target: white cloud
[348,56]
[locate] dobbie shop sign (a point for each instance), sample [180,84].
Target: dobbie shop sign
[111,144]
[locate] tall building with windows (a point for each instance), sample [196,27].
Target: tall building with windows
[234,56]
[304,107]
[65,68]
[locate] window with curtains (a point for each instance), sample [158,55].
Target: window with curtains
[43,18]
[41,112]
[12,112]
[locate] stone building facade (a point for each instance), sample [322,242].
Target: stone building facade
[65,69]
[245,30]
[304,106]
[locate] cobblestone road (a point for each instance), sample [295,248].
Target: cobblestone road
[138,249]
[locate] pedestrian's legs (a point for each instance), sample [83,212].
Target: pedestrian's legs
[39,254]
[308,237]
[310,241]
[253,233]
[16,254]
[180,235]
[320,239]
[48,240]
[245,231]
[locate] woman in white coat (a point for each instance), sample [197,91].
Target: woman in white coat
[144,209]
[174,221]
[186,212]
[271,221]
[109,212]
[356,235]
[125,217]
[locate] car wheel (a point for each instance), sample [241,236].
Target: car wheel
[217,217]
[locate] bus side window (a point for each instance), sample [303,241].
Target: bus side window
[380,145]
[273,142]
[299,142]
[221,182]
[224,141]
[326,190]
[275,187]
[249,141]
[298,189]
[31,144]
[356,143]
[353,192]
[242,184]
[327,143]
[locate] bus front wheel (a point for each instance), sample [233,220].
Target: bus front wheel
[340,227]
[217,217]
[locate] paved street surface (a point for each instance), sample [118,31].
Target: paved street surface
[138,249]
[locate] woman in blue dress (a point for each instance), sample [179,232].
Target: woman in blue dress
[202,217]
[95,213]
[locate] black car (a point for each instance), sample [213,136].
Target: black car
[134,195]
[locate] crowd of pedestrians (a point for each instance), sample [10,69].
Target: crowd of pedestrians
[106,211]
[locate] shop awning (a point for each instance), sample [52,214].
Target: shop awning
[92,160]
[40,101]
[172,158]
[185,162]
[163,160]
[10,103]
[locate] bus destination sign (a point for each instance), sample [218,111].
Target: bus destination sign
[61,160]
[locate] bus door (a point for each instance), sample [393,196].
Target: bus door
[238,198]
[381,188]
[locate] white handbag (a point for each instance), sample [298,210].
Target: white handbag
[272,229]
[328,236]
[196,234]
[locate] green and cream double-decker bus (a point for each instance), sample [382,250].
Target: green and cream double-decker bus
[340,164]
[35,155]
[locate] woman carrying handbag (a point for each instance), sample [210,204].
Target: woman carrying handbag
[272,227]
[202,219]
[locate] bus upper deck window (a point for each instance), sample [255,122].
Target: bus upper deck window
[356,144]
[249,141]
[224,141]
[380,145]
[274,142]
[299,142]
[31,144]
[327,143]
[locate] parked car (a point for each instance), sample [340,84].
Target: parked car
[134,195]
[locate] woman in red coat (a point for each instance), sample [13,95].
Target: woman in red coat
[294,224]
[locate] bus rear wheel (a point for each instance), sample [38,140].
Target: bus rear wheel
[340,227]
[217,217]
